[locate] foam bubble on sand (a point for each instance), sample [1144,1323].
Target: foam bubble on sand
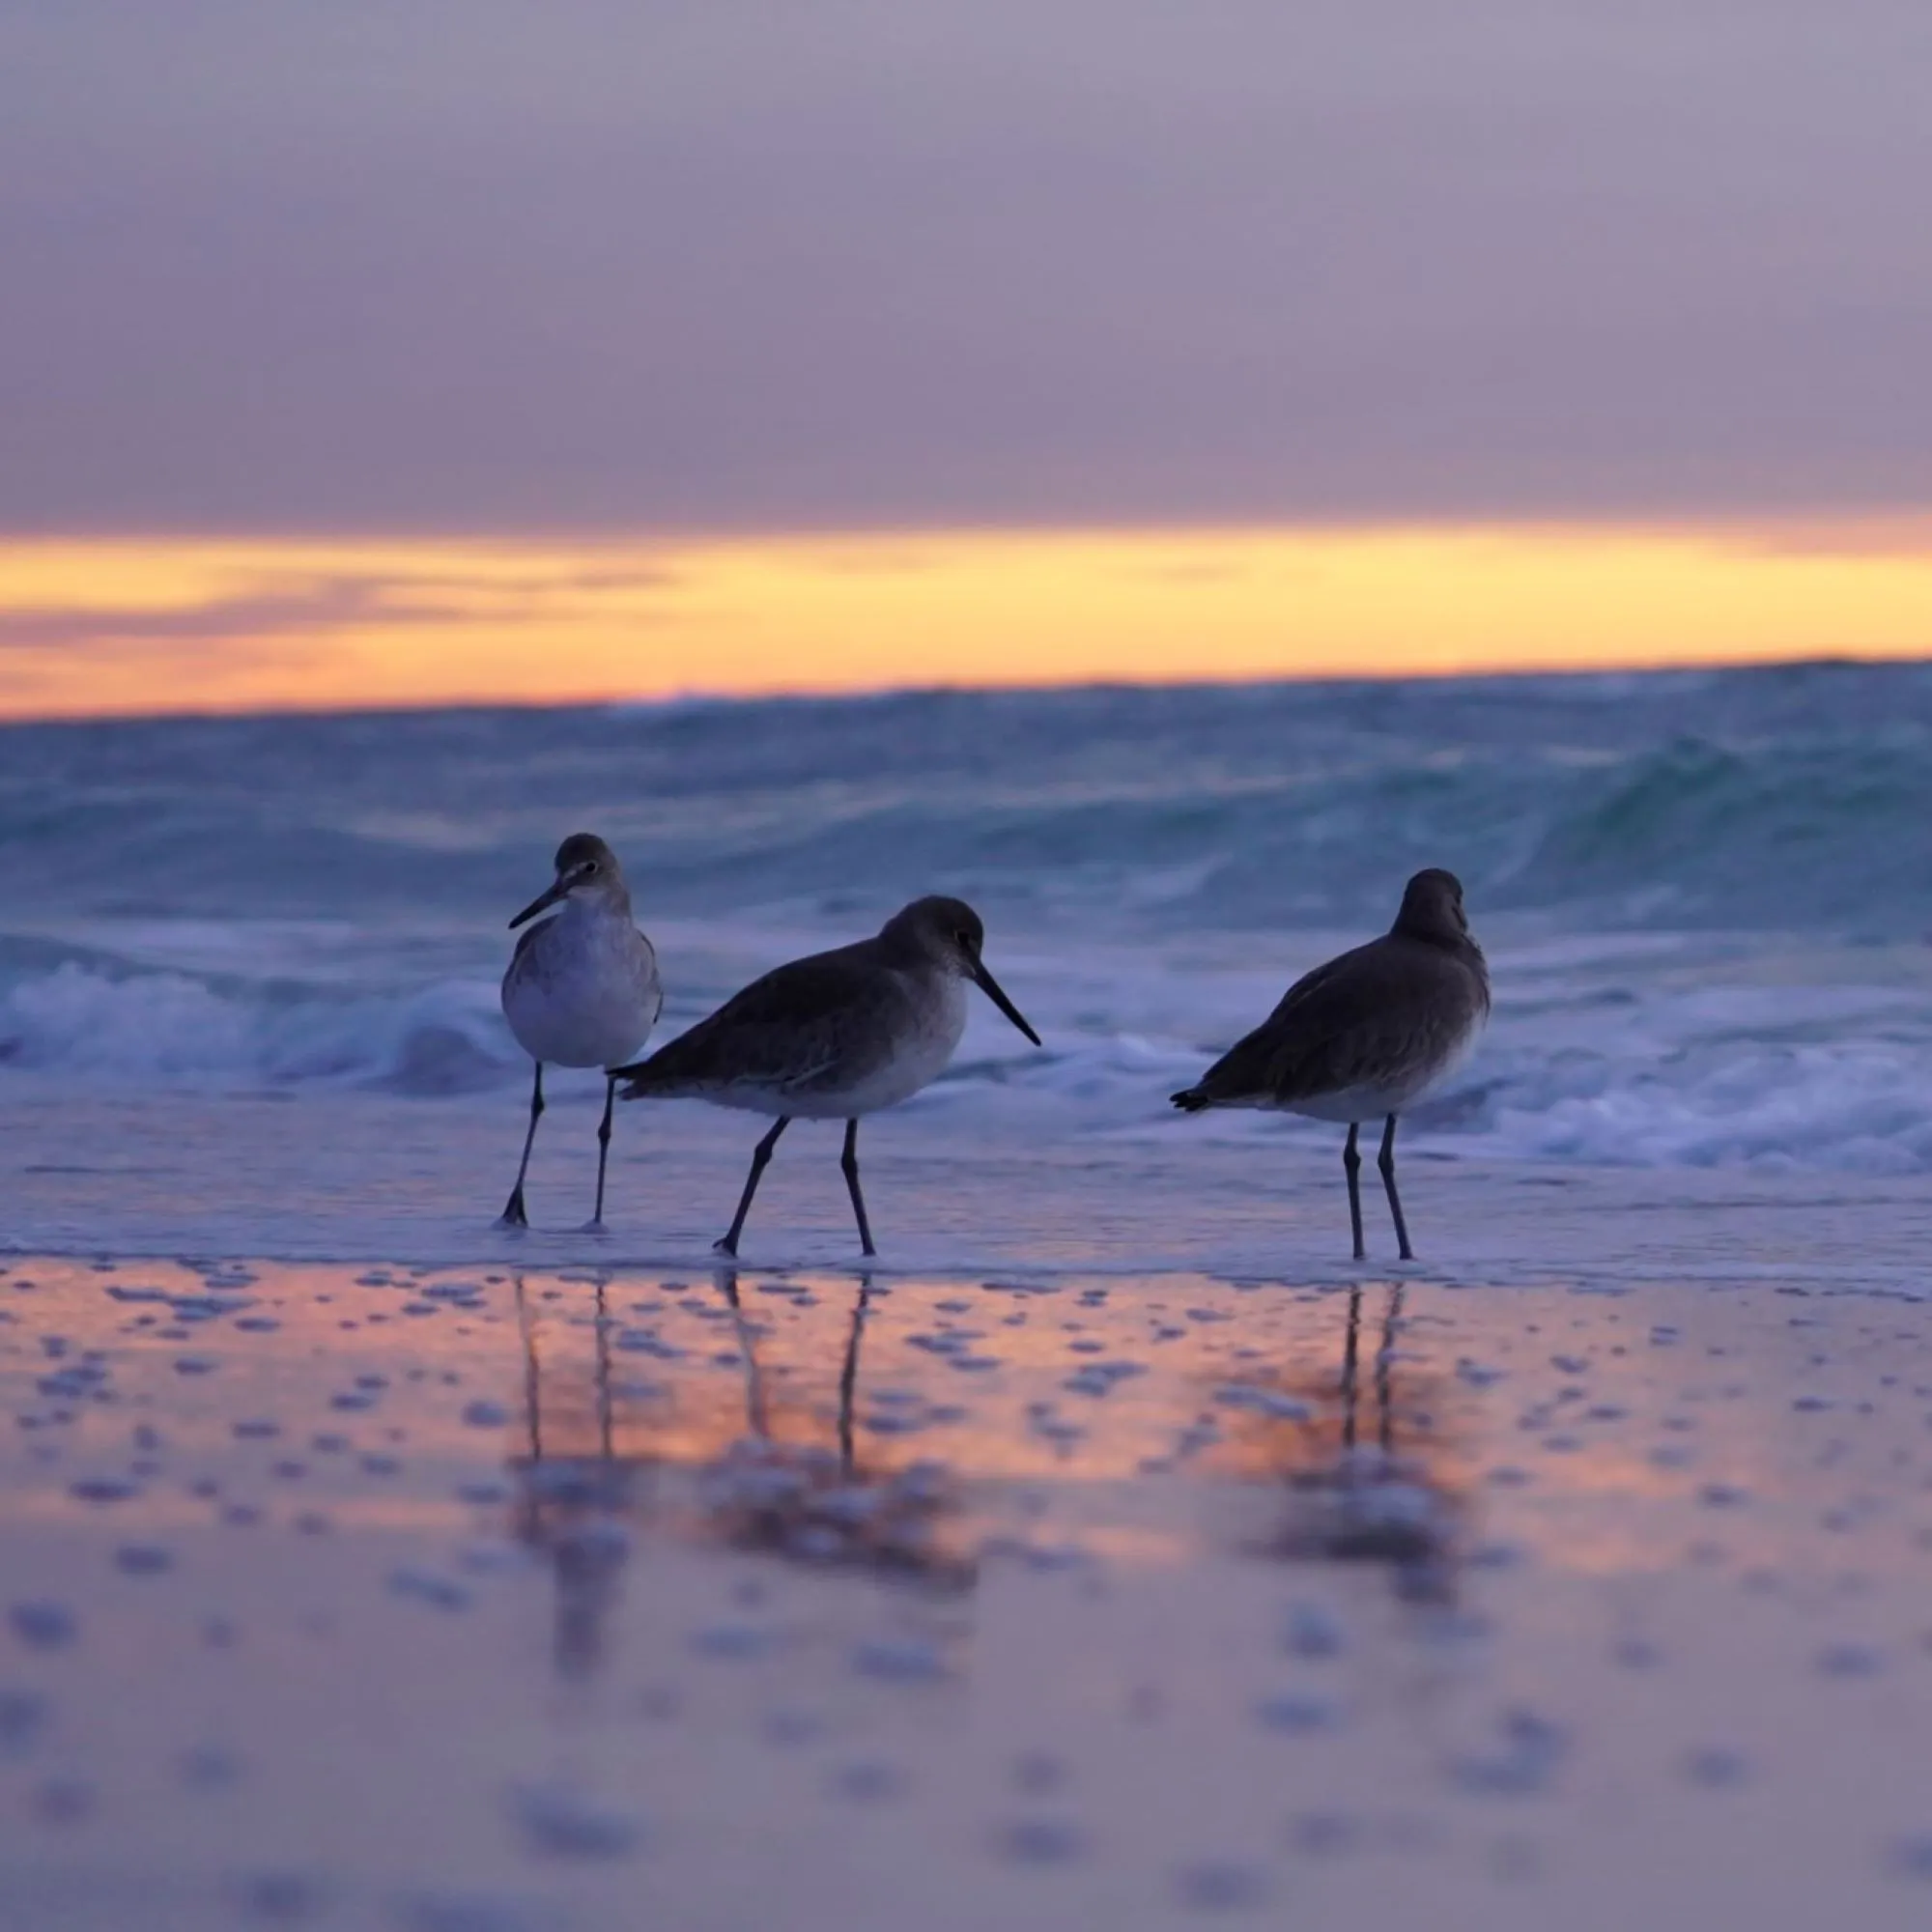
[41,1623]
[561,1820]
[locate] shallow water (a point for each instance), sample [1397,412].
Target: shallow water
[417,1597]
[953,1191]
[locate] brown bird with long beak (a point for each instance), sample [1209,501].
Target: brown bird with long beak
[834,1037]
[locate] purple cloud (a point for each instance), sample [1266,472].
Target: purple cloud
[602,266]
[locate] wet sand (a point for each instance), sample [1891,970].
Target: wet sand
[471,1600]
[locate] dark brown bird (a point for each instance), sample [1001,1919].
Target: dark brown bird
[834,1037]
[1366,1035]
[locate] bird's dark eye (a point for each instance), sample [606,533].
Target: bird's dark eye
[965,938]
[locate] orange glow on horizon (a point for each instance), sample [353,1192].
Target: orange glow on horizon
[92,627]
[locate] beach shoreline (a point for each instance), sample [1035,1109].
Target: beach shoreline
[371,1176]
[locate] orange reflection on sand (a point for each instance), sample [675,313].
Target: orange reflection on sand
[1336,1421]
[891,1428]
[91,626]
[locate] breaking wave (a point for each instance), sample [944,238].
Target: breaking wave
[1705,895]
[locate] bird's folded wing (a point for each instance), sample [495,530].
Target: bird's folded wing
[531,935]
[783,1033]
[1349,1023]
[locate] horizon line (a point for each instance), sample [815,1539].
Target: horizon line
[723,699]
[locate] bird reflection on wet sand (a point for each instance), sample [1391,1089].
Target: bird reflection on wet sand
[603,1457]
[572,1499]
[817,1505]
[1377,1488]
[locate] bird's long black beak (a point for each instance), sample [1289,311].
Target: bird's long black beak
[990,986]
[541,903]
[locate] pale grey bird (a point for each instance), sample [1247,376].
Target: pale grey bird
[582,988]
[1366,1035]
[834,1037]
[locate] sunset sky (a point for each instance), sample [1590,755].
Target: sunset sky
[402,350]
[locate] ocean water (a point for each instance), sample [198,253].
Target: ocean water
[1706,898]
[1115,1549]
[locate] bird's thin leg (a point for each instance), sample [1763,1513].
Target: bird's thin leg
[1351,1161]
[1387,1162]
[849,1161]
[761,1155]
[603,1146]
[513,1211]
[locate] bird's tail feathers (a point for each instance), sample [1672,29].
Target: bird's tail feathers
[1191,1100]
[636,1074]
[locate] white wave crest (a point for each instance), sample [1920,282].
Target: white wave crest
[1600,1052]
[171,1027]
